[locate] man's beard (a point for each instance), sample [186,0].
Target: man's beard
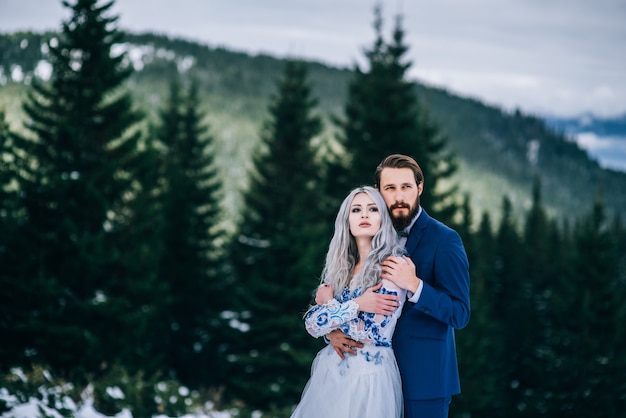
[400,222]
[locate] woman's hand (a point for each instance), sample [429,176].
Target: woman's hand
[324,294]
[377,303]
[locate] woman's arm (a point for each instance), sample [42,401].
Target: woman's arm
[373,326]
[322,319]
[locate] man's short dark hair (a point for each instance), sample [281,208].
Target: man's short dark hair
[399,161]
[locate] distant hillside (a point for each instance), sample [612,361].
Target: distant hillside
[499,152]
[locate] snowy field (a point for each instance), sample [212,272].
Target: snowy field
[34,408]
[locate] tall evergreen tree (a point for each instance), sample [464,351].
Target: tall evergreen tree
[13,291]
[508,306]
[480,350]
[557,296]
[190,264]
[278,252]
[532,296]
[77,186]
[383,116]
[588,363]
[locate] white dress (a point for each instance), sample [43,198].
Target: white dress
[365,385]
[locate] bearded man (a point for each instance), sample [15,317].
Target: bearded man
[436,275]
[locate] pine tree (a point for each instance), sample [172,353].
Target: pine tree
[383,116]
[480,350]
[77,187]
[190,265]
[532,296]
[13,291]
[556,298]
[508,306]
[587,368]
[278,252]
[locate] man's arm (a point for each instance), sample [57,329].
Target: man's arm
[448,302]
[371,302]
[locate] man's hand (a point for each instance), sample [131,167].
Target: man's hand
[342,343]
[377,303]
[401,271]
[324,294]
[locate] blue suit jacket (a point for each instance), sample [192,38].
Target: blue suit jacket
[423,340]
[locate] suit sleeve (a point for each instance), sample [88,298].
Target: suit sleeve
[445,296]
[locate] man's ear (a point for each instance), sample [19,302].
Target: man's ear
[420,188]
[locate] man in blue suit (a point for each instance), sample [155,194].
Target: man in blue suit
[436,275]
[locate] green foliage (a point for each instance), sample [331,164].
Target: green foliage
[584,355]
[23,48]
[9,273]
[190,267]
[544,336]
[36,382]
[480,354]
[112,246]
[115,391]
[383,116]
[491,145]
[277,253]
[118,389]
[76,176]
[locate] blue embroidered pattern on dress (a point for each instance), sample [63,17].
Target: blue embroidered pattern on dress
[343,366]
[376,358]
[322,319]
[342,313]
[367,326]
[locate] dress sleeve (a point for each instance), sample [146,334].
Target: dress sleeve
[322,319]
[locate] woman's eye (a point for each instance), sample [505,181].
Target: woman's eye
[374,209]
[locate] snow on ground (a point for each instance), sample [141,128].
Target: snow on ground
[32,408]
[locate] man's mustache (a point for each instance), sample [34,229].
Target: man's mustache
[399,205]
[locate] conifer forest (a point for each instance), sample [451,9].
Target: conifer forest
[144,247]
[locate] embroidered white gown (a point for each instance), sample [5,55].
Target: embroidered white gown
[365,385]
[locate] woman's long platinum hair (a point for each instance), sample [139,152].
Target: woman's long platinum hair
[343,254]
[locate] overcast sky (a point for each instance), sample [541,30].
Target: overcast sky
[560,57]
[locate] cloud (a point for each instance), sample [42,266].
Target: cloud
[609,151]
[561,57]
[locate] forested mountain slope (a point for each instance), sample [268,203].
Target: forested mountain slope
[499,152]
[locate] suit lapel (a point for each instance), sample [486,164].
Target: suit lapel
[416,234]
